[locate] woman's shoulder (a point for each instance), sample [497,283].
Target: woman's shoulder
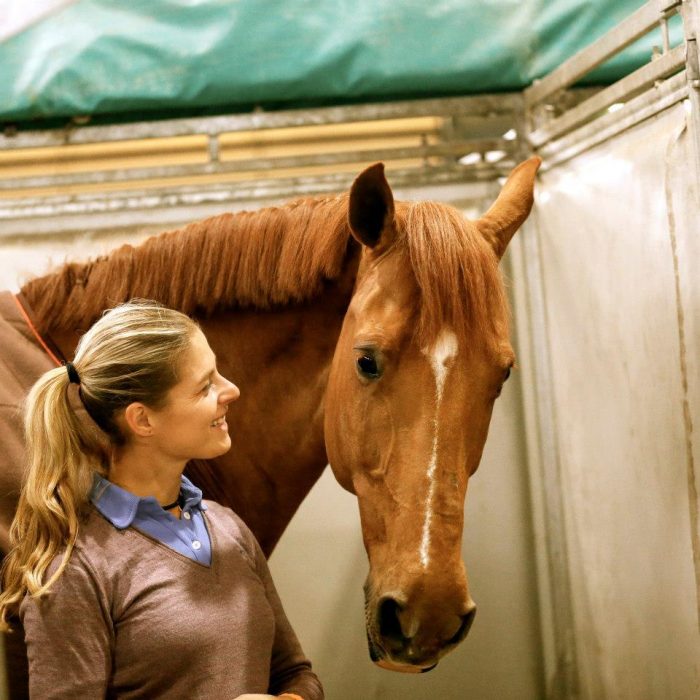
[103,547]
[92,548]
[95,531]
[82,568]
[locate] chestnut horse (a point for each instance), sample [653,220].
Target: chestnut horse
[363,332]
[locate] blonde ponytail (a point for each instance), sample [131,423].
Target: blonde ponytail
[129,355]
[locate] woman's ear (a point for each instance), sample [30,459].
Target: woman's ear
[137,419]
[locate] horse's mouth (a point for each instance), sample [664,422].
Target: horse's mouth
[381,659]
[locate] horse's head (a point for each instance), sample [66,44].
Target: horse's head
[421,358]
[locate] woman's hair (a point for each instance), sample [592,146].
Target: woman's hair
[131,354]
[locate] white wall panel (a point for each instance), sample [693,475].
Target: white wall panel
[625,389]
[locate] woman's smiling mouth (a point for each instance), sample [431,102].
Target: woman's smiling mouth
[220,423]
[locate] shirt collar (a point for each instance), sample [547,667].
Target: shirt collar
[120,506]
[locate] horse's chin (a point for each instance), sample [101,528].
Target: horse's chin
[403,668]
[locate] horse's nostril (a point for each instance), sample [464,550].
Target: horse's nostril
[464,627]
[398,627]
[389,623]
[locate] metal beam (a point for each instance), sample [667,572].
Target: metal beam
[635,111]
[481,105]
[543,450]
[632,85]
[691,28]
[618,38]
[249,168]
[175,206]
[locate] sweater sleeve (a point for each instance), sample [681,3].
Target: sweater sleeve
[290,670]
[69,636]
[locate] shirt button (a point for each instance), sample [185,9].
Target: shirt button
[186,515]
[196,544]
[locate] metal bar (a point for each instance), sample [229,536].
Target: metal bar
[665,39]
[269,186]
[635,111]
[549,508]
[691,27]
[454,149]
[168,206]
[618,38]
[481,105]
[620,91]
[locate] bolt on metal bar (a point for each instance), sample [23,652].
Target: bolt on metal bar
[213,147]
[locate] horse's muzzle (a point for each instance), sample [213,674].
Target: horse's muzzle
[402,640]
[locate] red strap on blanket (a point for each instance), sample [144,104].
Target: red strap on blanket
[36,333]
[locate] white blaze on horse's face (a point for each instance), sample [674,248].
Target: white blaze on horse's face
[439,355]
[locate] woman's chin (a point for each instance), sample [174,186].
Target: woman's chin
[225,445]
[222,446]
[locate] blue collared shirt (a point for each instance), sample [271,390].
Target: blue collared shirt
[187,535]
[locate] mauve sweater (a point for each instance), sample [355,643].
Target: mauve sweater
[131,618]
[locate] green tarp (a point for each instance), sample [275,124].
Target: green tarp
[154,58]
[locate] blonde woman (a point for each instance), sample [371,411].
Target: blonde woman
[128,585]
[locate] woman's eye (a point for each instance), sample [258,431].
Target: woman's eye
[367,366]
[205,390]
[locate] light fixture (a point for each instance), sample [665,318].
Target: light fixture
[470,159]
[494,156]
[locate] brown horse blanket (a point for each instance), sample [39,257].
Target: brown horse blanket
[22,361]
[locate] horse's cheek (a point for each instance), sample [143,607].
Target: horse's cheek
[339,429]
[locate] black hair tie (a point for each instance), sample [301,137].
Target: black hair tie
[73,376]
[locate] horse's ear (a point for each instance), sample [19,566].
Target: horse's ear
[371,210]
[512,206]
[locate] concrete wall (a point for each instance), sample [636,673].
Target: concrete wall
[320,564]
[617,232]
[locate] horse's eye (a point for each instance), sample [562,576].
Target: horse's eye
[367,366]
[507,374]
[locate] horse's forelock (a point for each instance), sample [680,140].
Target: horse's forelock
[456,271]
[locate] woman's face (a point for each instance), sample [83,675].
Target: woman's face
[192,424]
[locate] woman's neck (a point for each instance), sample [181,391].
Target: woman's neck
[139,473]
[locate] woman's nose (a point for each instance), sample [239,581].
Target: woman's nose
[230,393]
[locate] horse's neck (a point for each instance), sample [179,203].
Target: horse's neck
[280,360]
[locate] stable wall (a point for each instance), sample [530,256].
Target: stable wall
[612,254]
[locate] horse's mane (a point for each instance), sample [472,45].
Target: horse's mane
[273,256]
[457,272]
[277,256]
